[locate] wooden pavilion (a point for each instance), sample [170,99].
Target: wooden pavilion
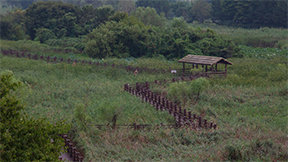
[209,64]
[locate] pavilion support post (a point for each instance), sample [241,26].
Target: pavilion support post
[216,67]
[183,68]
[193,66]
[206,68]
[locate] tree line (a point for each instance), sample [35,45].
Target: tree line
[104,32]
[248,13]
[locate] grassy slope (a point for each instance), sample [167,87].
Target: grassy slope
[249,106]
[263,37]
[55,89]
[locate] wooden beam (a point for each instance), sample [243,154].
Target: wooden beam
[183,68]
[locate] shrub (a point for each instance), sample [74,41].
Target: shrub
[233,153]
[76,43]
[23,138]
[198,85]
[44,34]
[118,39]
[183,91]
[129,37]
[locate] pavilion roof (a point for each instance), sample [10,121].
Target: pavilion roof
[203,60]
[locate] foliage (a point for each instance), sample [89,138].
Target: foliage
[77,43]
[12,25]
[251,13]
[262,37]
[55,16]
[121,39]
[218,47]
[81,119]
[44,34]
[149,16]
[249,105]
[183,92]
[201,10]
[61,19]
[23,138]
[262,52]
[130,37]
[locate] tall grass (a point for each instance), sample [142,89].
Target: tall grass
[262,37]
[249,107]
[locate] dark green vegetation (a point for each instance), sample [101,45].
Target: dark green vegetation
[249,13]
[263,37]
[21,137]
[114,34]
[130,37]
[105,32]
[249,106]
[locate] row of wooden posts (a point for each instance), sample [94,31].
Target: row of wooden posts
[182,116]
[73,151]
[24,54]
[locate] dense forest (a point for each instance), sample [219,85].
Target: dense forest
[249,13]
[128,28]
[104,32]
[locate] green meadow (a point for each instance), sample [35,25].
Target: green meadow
[249,106]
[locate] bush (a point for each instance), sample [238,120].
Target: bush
[44,34]
[23,138]
[118,39]
[183,91]
[129,37]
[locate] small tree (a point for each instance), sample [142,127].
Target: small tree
[44,34]
[197,86]
[23,138]
[184,91]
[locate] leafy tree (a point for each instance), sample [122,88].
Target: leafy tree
[149,16]
[130,37]
[182,9]
[89,17]
[54,16]
[121,39]
[182,92]
[44,34]
[12,26]
[201,10]
[250,13]
[161,6]
[23,138]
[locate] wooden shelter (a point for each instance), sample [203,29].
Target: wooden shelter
[209,63]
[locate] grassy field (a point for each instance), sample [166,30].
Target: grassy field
[263,37]
[249,107]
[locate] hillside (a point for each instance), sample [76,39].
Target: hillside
[249,107]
